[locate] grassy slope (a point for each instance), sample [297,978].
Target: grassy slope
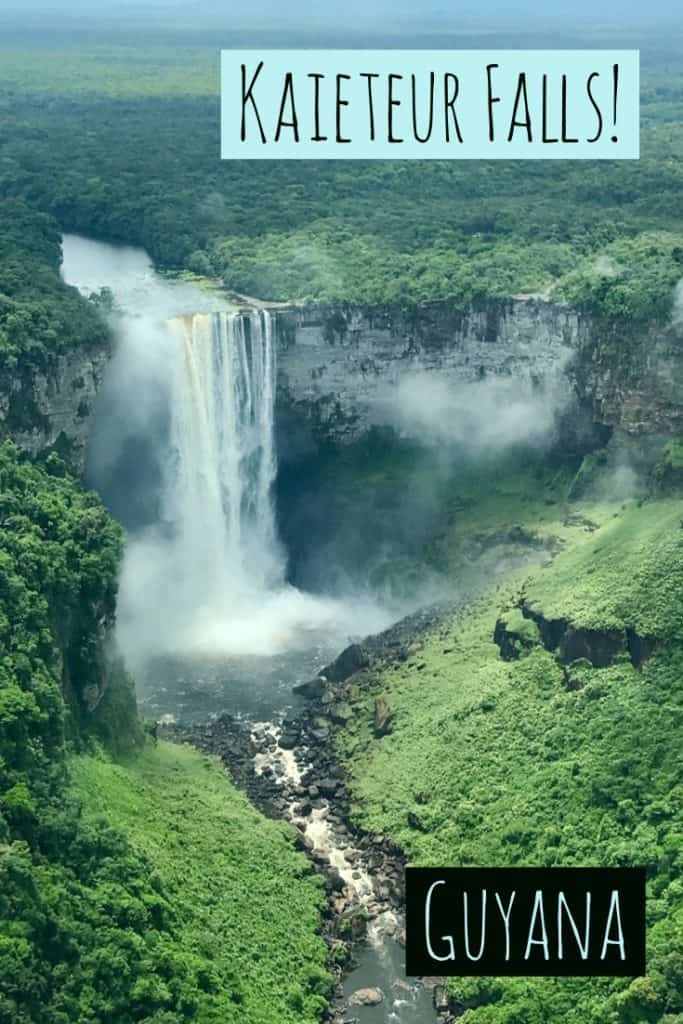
[245,900]
[518,770]
[629,574]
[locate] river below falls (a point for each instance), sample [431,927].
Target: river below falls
[191,689]
[191,686]
[259,689]
[404,1003]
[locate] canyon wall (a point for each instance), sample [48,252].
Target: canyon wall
[336,361]
[51,405]
[338,364]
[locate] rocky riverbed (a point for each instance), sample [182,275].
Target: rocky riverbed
[288,769]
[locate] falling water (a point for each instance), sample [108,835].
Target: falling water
[209,575]
[183,449]
[223,463]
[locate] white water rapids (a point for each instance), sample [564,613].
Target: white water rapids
[403,1001]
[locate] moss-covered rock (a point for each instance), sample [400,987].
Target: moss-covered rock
[515,634]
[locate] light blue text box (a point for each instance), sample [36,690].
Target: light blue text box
[567,84]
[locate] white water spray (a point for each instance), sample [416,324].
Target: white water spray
[185,430]
[210,576]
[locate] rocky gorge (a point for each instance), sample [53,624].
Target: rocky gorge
[301,386]
[290,771]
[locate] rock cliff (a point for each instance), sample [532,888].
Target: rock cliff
[336,360]
[52,406]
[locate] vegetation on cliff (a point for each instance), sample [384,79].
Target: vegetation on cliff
[40,316]
[243,906]
[146,892]
[522,752]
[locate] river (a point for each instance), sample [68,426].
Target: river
[183,454]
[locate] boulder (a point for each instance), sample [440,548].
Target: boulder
[366,997]
[352,659]
[313,689]
[352,924]
[319,735]
[303,842]
[327,786]
[440,999]
[383,718]
[333,880]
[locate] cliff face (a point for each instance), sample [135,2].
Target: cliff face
[335,360]
[52,406]
[631,375]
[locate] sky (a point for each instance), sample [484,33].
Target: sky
[654,27]
[343,11]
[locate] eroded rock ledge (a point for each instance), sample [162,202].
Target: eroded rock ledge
[524,627]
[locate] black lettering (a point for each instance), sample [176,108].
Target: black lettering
[596,108]
[427,137]
[370,75]
[341,103]
[491,99]
[565,137]
[287,96]
[246,96]
[317,137]
[546,137]
[449,103]
[392,103]
[521,95]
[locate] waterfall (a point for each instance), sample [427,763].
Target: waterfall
[223,462]
[183,449]
[208,575]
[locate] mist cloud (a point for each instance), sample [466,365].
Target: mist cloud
[192,581]
[479,417]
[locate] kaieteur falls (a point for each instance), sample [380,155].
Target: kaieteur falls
[209,575]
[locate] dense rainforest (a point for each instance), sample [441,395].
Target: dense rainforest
[121,146]
[39,314]
[121,862]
